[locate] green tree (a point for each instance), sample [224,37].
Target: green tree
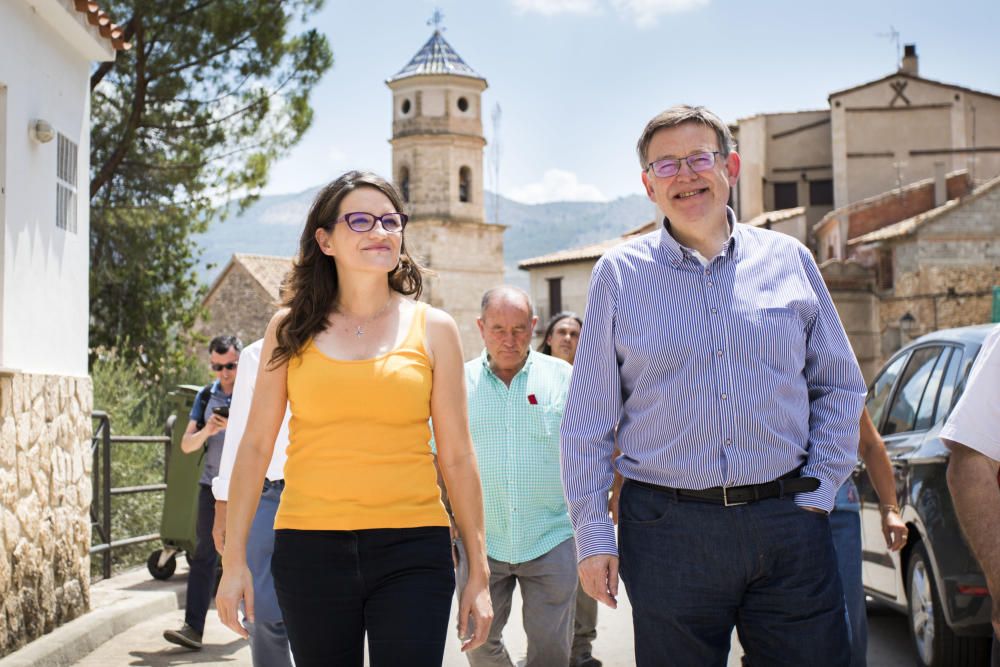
[209,95]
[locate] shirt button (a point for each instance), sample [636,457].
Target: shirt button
[729,441]
[715,310]
[709,283]
[719,353]
[724,397]
[707,272]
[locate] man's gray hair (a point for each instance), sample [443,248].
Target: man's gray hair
[678,115]
[505,291]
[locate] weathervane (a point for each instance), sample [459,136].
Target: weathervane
[436,19]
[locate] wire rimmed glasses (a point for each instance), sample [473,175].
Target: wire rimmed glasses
[667,167]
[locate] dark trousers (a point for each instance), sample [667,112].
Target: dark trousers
[201,578]
[694,570]
[333,586]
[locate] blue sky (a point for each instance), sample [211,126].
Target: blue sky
[578,79]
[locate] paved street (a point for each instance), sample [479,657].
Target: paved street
[143,643]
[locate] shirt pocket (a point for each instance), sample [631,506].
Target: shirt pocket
[778,339]
[545,421]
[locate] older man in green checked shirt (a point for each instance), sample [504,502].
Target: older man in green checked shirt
[516,399]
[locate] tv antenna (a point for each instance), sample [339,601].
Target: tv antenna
[893,36]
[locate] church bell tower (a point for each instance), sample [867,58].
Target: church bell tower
[437,163]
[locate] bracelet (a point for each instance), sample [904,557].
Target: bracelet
[888,507]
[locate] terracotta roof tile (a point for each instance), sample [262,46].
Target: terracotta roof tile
[875,200]
[98,18]
[910,225]
[267,270]
[776,216]
[592,251]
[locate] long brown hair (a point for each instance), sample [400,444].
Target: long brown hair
[312,286]
[544,347]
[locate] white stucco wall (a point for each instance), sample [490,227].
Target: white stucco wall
[44,279]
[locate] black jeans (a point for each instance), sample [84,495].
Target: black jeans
[201,578]
[333,586]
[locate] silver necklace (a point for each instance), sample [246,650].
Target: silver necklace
[359,330]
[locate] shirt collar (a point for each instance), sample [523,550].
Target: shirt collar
[675,252]
[485,360]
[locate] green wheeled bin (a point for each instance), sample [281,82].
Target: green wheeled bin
[180,500]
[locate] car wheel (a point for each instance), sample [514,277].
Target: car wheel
[935,643]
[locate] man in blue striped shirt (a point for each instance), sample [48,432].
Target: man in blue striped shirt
[713,353]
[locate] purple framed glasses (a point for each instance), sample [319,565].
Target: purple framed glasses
[668,167]
[360,221]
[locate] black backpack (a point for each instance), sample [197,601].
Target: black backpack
[201,402]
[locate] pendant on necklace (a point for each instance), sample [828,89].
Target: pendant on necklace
[360,332]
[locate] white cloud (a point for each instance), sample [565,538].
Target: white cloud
[646,13]
[556,185]
[553,7]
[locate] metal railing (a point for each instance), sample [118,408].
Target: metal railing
[100,506]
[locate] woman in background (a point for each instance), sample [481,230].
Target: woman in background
[845,523]
[362,541]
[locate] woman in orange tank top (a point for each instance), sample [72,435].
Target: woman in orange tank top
[362,543]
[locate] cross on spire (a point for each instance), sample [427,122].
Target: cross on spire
[436,19]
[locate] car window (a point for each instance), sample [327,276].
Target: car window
[882,388]
[912,384]
[949,385]
[963,375]
[925,413]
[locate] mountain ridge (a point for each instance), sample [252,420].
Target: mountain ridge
[272,224]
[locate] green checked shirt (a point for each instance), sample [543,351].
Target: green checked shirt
[516,434]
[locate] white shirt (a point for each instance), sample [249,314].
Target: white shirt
[239,411]
[975,421]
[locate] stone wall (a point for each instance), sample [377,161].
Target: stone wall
[467,259]
[851,288]
[943,275]
[45,486]
[239,307]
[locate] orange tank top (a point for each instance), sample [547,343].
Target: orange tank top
[358,451]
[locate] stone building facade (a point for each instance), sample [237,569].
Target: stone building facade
[942,266]
[243,298]
[786,163]
[873,137]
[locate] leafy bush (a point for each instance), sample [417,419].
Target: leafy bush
[136,403]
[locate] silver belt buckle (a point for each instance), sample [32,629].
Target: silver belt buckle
[725,500]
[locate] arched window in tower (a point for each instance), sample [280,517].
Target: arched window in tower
[404,183]
[464,184]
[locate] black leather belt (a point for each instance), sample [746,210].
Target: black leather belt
[740,495]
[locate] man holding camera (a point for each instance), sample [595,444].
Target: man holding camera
[206,431]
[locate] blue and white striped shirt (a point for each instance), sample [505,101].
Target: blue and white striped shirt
[721,375]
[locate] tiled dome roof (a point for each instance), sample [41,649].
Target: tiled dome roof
[436,57]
